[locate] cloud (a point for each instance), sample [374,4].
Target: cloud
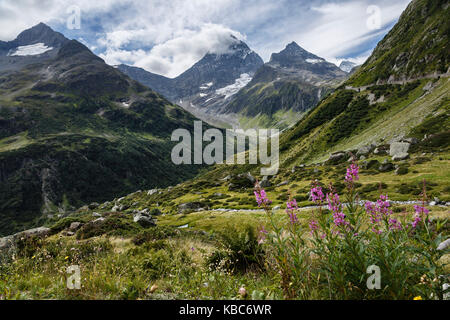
[169,36]
[173,56]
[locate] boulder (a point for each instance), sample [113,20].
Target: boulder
[336,157]
[385,167]
[143,220]
[400,157]
[365,150]
[283,183]
[98,220]
[189,206]
[265,183]
[399,150]
[75,226]
[93,205]
[444,245]
[411,141]
[250,177]
[36,232]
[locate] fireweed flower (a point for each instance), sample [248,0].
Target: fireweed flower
[261,198]
[380,211]
[420,212]
[291,207]
[317,194]
[313,226]
[352,173]
[335,206]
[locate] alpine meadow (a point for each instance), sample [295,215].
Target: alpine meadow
[192,156]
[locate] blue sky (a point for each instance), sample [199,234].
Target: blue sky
[169,36]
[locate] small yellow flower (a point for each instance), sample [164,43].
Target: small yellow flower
[67,257]
[418,298]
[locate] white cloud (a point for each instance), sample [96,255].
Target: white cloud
[169,36]
[173,56]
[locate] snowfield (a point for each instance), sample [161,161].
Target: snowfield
[238,84]
[30,50]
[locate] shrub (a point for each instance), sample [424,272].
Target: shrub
[350,241]
[112,225]
[239,252]
[156,233]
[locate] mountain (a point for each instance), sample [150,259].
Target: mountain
[209,83]
[34,45]
[400,92]
[347,66]
[292,82]
[74,130]
[416,47]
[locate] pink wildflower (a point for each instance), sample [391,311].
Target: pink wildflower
[261,197]
[352,173]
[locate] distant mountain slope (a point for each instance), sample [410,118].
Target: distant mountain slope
[292,82]
[417,45]
[355,116]
[74,130]
[205,87]
[347,66]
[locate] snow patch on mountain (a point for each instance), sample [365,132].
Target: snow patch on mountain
[314,61]
[238,84]
[30,50]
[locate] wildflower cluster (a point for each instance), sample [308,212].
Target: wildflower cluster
[291,208]
[379,212]
[352,173]
[261,197]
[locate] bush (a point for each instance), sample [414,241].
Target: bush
[240,252]
[153,234]
[112,225]
[349,242]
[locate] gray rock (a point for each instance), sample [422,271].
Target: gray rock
[336,157]
[362,158]
[152,192]
[75,226]
[385,167]
[444,245]
[93,205]
[283,183]
[96,214]
[364,151]
[400,156]
[250,177]
[276,208]
[265,183]
[399,149]
[432,203]
[144,221]
[37,232]
[189,206]
[98,220]
[411,140]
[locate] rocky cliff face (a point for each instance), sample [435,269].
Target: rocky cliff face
[293,81]
[208,85]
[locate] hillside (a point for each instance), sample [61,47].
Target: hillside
[75,130]
[206,87]
[291,83]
